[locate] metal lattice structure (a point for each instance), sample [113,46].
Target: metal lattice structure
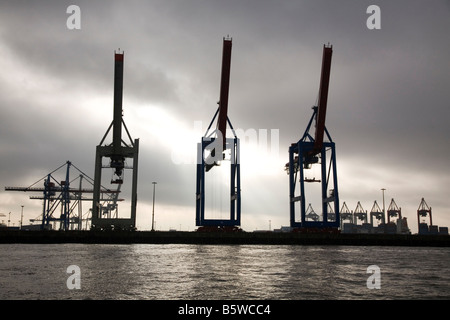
[62,203]
[394,211]
[359,214]
[345,214]
[423,211]
[377,213]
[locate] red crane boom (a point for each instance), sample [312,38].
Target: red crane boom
[224,89]
[323,98]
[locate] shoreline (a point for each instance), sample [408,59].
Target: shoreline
[222,238]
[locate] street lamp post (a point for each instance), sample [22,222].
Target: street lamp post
[21,218]
[384,211]
[153,212]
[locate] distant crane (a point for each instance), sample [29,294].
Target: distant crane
[211,151]
[311,214]
[331,213]
[377,213]
[345,214]
[423,211]
[117,152]
[394,211]
[359,213]
[311,150]
[59,194]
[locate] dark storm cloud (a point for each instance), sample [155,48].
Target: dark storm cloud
[388,100]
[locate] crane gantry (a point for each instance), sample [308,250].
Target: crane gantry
[117,151]
[314,149]
[211,152]
[61,199]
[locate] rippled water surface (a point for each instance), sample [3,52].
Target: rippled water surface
[142,271]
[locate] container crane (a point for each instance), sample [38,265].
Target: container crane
[314,149]
[377,213]
[117,152]
[345,214]
[359,214]
[211,151]
[393,211]
[423,211]
[57,193]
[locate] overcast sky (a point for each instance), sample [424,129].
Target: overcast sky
[388,106]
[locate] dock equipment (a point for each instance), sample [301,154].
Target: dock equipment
[314,149]
[359,213]
[377,213]
[57,193]
[423,211]
[117,152]
[211,151]
[331,213]
[311,214]
[345,214]
[394,211]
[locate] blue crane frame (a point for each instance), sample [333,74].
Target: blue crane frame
[297,165]
[217,146]
[235,180]
[63,199]
[310,150]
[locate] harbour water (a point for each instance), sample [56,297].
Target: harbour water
[221,272]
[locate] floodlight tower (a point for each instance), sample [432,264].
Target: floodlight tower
[117,152]
[311,150]
[212,150]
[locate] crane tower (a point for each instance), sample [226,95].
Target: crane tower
[117,152]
